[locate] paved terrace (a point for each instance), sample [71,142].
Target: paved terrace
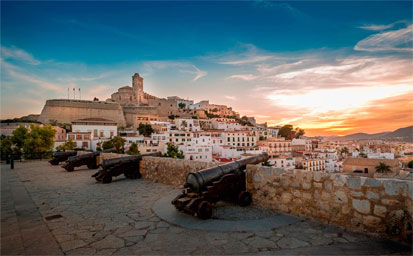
[117,219]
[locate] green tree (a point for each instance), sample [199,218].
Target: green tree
[383,168]
[19,136]
[95,99]
[287,131]
[181,105]
[118,144]
[53,122]
[345,151]
[5,145]
[39,140]
[107,144]
[299,132]
[68,145]
[174,152]
[266,163]
[133,149]
[145,129]
[410,164]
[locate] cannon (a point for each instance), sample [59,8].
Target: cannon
[127,165]
[225,182]
[88,159]
[61,157]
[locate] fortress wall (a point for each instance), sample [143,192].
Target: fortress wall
[131,113]
[169,170]
[65,111]
[381,206]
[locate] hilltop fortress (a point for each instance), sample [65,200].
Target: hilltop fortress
[129,106]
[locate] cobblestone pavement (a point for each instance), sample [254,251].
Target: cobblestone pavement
[116,218]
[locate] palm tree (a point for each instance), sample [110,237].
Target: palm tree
[383,168]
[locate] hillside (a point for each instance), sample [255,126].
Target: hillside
[402,134]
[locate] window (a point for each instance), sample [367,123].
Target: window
[85,144]
[101,134]
[200,150]
[78,137]
[71,136]
[111,133]
[86,137]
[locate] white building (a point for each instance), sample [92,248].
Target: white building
[333,165]
[226,124]
[287,163]
[89,132]
[381,155]
[301,145]
[233,153]
[201,153]
[240,138]
[191,125]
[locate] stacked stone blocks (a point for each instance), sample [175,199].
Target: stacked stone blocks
[382,206]
[169,170]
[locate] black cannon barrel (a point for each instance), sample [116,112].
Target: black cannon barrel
[123,159]
[84,156]
[196,180]
[65,153]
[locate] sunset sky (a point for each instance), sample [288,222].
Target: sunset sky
[332,68]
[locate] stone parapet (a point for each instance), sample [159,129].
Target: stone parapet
[169,170]
[381,206]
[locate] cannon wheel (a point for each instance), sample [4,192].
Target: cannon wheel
[70,169]
[92,166]
[244,198]
[205,210]
[137,175]
[107,179]
[407,231]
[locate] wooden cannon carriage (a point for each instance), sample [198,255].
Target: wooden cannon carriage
[89,159]
[225,182]
[61,156]
[127,165]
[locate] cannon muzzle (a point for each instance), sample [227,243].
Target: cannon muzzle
[197,180]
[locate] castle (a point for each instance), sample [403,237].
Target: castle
[129,106]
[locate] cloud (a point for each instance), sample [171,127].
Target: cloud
[246,77]
[400,40]
[251,59]
[32,79]
[17,54]
[183,67]
[199,73]
[376,27]
[231,97]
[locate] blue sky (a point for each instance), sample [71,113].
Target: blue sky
[256,56]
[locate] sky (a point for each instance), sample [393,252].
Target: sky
[329,67]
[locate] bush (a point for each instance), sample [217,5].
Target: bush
[145,129]
[133,149]
[174,152]
[68,145]
[39,141]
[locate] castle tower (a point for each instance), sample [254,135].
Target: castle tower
[137,85]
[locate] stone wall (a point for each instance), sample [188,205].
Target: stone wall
[360,203]
[169,170]
[66,110]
